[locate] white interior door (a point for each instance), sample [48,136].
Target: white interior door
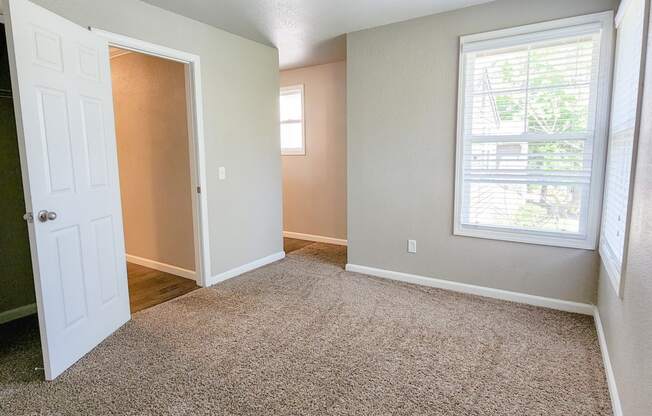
[64,108]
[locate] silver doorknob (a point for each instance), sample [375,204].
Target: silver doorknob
[44,216]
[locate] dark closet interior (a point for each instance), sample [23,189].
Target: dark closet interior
[16,281]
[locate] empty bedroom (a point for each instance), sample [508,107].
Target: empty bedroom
[245,207]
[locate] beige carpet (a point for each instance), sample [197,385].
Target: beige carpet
[304,337]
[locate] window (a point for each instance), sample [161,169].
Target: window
[292,131]
[622,137]
[532,121]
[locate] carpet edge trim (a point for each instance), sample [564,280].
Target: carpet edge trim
[551,303]
[606,362]
[237,271]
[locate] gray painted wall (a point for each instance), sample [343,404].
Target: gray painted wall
[402,97]
[627,321]
[240,93]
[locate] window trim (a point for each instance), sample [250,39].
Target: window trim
[534,32]
[295,151]
[615,273]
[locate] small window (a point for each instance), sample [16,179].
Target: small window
[532,131]
[622,137]
[292,124]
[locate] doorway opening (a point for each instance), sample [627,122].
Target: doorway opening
[312,103]
[153,146]
[124,45]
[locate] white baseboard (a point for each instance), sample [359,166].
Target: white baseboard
[608,369]
[315,238]
[562,305]
[245,268]
[17,313]
[163,267]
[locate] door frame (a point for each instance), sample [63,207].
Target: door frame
[195,138]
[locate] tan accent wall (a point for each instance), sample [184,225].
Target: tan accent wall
[152,135]
[314,184]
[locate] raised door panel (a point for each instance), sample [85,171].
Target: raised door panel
[56,139]
[94,142]
[104,242]
[69,269]
[47,49]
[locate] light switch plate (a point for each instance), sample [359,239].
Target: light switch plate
[221,173]
[412,246]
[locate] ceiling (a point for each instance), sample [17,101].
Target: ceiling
[306,32]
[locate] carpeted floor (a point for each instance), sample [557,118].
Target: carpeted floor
[304,337]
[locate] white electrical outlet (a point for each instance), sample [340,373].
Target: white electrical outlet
[412,246]
[221,173]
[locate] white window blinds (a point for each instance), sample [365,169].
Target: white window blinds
[625,99]
[292,128]
[527,136]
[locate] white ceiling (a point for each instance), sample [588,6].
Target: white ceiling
[306,32]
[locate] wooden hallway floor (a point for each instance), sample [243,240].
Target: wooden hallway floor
[293,244]
[149,287]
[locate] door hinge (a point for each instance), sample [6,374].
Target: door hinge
[29,217]
[199,189]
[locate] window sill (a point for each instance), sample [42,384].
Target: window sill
[526,237]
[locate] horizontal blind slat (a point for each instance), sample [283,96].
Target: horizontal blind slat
[622,130]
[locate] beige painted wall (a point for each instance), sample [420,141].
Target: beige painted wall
[314,184]
[149,97]
[240,97]
[627,321]
[402,103]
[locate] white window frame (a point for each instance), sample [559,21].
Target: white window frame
[293,151]
[615,272]
[536,32]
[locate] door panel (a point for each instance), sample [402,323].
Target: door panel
[47,48]
[57,146]
[106,258]
[64,108]
[95,142]
[89,63]
[67,246]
